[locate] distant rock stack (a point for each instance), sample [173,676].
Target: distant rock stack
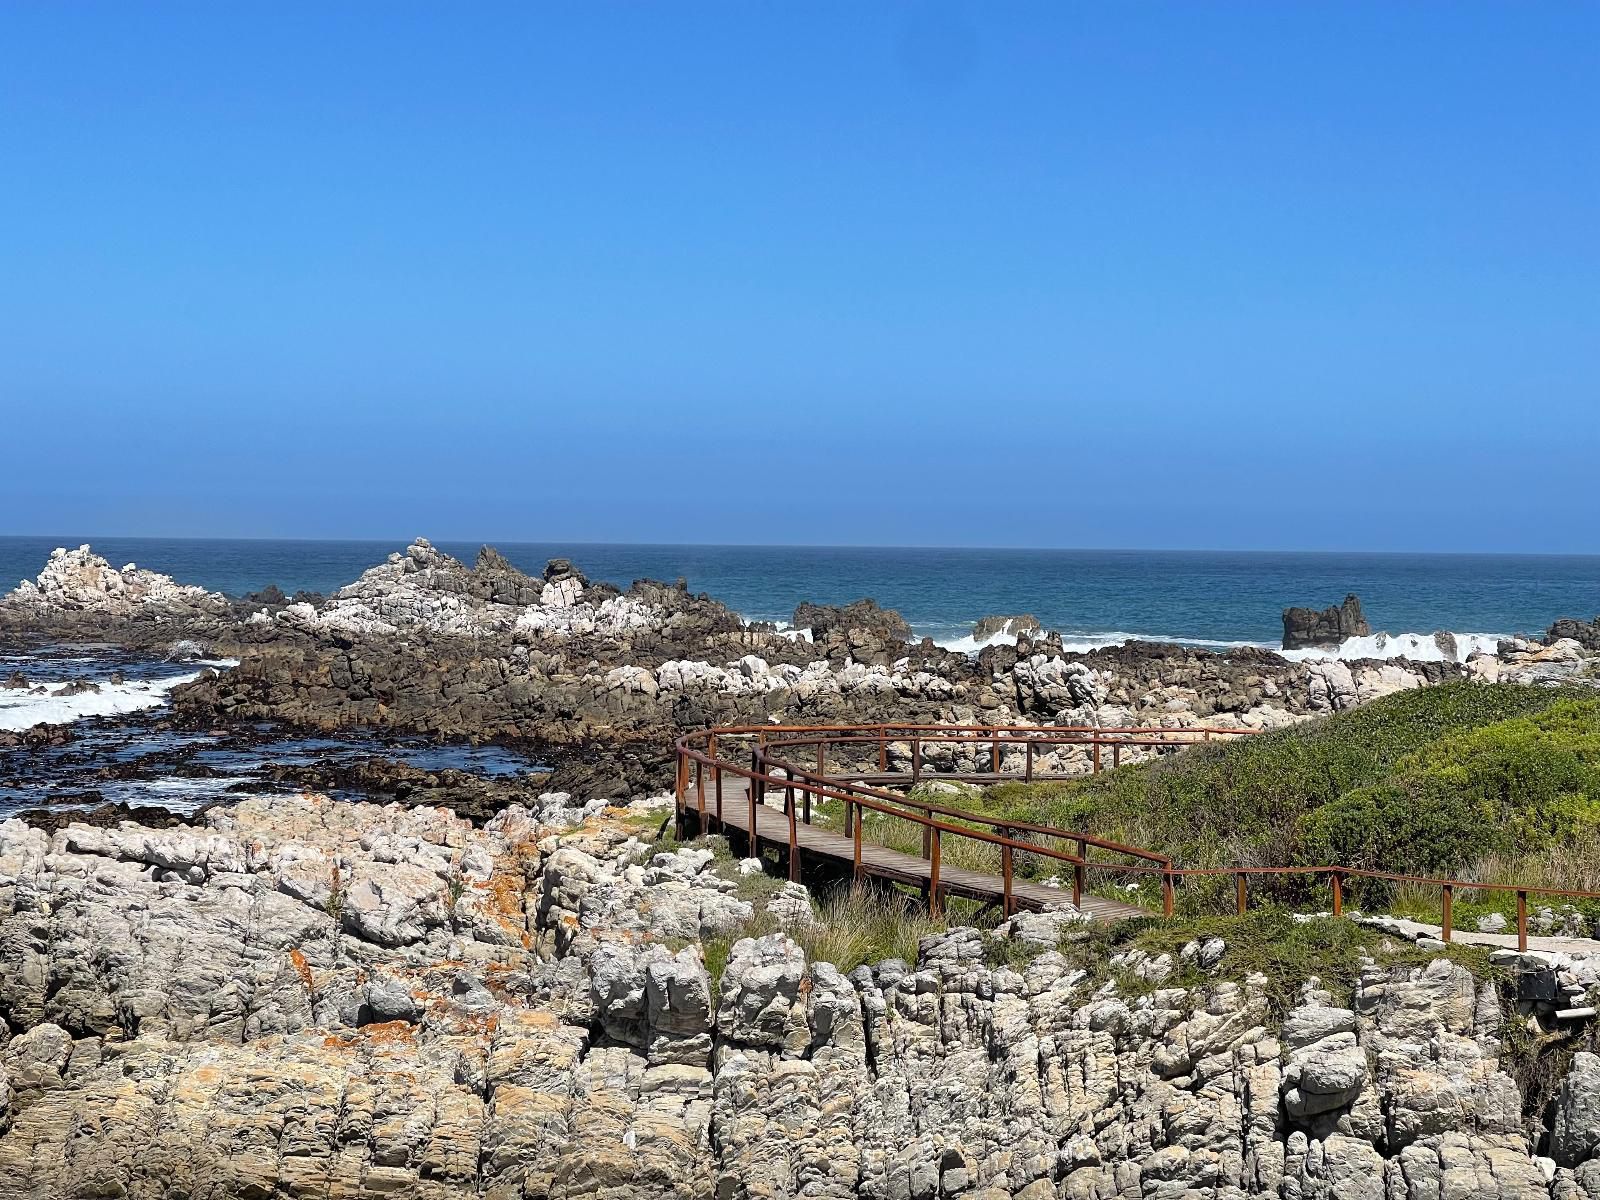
[861,631]
[1306,628]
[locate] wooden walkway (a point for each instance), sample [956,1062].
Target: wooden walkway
[895,865]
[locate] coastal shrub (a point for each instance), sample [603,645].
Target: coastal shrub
[1245,802]
[1513,787]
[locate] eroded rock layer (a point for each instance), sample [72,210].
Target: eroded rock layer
[310,998]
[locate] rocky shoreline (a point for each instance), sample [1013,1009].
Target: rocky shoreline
[502,987]
[600,680]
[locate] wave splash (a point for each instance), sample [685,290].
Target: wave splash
[1419,647]
[21,710]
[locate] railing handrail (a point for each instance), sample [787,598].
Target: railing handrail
[959,813]
[846,787]
[828,792]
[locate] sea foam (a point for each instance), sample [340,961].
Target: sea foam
[25,709]
[1419,647]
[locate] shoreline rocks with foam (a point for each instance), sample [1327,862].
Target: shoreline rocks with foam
[424,643]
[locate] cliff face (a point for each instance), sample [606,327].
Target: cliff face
[306,997]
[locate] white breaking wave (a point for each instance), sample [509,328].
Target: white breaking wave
[1419,647]
[25,709]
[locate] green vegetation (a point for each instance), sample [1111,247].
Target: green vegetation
[1529,783]
[1494,782]
[1497,783]
[855,924]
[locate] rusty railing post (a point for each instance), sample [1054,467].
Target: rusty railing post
[1522,919]
[700,794]
[1239,889]
[1095,741]
[856,871]
[1338,895]
[716,775]
[1027,773]
[935,900]
[1116,755]
[916,759]
[794,837]
[1079,871]
[1005,877]
[994,754]
[753,794]
[883,752]
[1166,892]
[1446,898]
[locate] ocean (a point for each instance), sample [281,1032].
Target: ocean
[1092,597]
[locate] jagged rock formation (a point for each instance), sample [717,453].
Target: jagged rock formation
[860,631]
[306,997]
[1306,628]
[1585,633]
[986,627]
[601,680]
[81,582]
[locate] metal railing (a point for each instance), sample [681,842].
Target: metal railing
[701,773]
[700,759]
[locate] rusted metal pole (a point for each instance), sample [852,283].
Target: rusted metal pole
[935,899]
[1096,744]
[1078,873]
[856,872]
[916,759]
[1005,876]
[717,777]
[1522,921]
[994,754]
[700,794]
[794,839]
[1239,889]
[1027,773]
[1116,755]
[1338,895]
[1166,893]
[1446,899]
[751,791]
[883,752]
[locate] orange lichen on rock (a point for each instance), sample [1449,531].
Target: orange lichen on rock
[302,968]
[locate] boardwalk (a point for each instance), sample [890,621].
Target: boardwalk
[717,768]
[894,865]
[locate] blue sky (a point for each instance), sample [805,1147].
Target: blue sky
[1192,275]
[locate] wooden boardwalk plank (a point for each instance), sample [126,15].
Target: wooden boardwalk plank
[886,863]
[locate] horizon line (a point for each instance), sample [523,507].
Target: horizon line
[71,541]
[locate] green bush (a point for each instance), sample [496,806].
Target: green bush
[1243,802]
[1515,786]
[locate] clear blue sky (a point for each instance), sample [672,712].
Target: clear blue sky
[1211,275]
